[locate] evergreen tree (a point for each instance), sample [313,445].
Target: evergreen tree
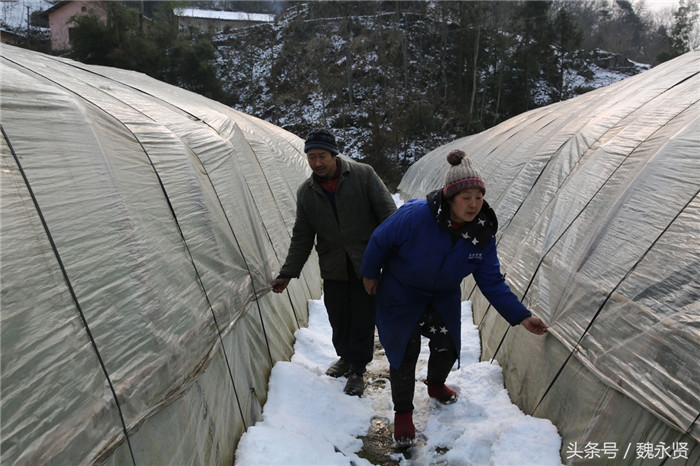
[532,55]
[685,19]
[567,39]
[95,41]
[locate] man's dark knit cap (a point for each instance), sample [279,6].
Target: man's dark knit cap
[321,139]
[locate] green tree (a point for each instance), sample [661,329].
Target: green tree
[532,56]
[567,38]
[93,40]
[684,20]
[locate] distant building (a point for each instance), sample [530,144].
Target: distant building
[60,22]
[34,39]
[11,37]
[217,21]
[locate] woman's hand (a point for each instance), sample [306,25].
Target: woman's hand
[532,324]
[370,285]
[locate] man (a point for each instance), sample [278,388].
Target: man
[339,206]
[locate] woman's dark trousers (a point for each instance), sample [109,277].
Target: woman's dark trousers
[443,355]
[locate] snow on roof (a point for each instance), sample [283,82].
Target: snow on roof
[224,15]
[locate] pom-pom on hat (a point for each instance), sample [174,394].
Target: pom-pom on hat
[321,139]
[461,175]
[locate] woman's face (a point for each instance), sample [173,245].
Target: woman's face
[466,205]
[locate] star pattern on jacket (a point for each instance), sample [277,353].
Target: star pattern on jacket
[443,330]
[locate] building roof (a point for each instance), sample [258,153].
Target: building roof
[56,6]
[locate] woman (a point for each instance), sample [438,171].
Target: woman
[422,253]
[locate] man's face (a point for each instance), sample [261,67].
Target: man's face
[322,162]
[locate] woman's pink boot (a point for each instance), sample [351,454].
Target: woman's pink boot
[442,393]
[404,430]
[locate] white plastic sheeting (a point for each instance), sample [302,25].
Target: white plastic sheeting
[597,199]
[141,225]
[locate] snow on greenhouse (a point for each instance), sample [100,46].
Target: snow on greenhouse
[141,225]
[597,200]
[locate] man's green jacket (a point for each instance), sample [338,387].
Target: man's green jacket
[362,202]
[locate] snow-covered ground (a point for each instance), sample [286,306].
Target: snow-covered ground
[309,420]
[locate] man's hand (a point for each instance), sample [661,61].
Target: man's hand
[370,285]
[279,284]
[535,325]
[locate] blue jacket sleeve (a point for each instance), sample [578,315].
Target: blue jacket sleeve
[494,287]
[385,240]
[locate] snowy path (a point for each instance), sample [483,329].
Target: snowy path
[309,420]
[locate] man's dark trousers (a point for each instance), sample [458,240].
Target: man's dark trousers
[351,312]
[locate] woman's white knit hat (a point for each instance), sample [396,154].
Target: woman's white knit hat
[461,175]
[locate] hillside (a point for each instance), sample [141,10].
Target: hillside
[389,83]
[394,80]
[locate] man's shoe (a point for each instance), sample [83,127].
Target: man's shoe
[355,385]
[404,430]
[442,393]
[339,368]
